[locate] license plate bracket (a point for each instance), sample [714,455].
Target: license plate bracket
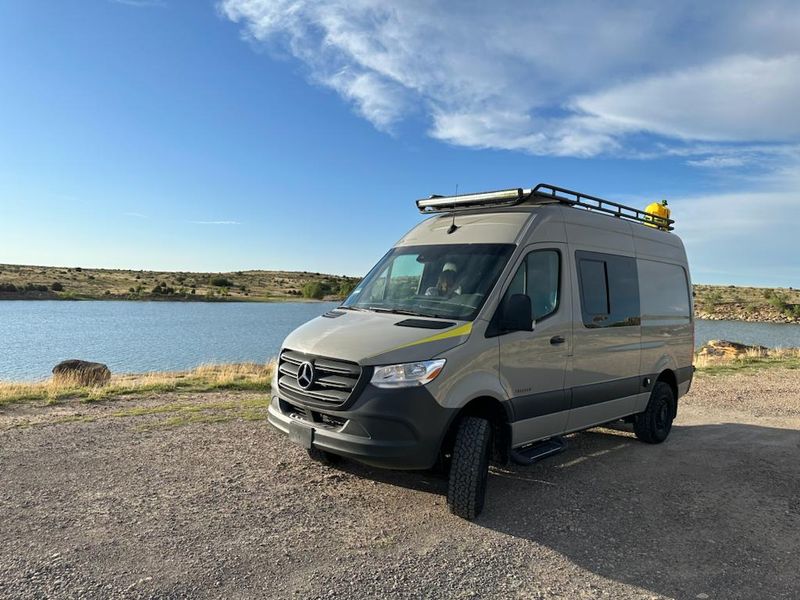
[301,434]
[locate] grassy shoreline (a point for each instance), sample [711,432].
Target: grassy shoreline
[206,378]
[254,377]
[752,360]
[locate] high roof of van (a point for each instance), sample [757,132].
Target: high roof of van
[551,222]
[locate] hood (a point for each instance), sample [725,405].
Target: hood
[371,338]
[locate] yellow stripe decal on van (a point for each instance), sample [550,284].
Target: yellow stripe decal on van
[465,329]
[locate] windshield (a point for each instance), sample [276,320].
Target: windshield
[449,281]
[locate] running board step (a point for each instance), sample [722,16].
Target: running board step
[536,452]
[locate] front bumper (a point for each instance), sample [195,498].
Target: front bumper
[387,428]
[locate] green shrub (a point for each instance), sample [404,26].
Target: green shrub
[314,289]
[714,298]
[220,281]
[162,290]
[347,287]
[8,287]
[57,287]
[779,302]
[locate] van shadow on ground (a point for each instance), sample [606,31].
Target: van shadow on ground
[715,510]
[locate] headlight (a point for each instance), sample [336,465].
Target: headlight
[407,374]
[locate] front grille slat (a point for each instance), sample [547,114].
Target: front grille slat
[288,369]
[334,380]
[293,357]
[337,367]
[326,395]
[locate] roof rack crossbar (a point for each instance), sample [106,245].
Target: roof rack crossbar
[545,191]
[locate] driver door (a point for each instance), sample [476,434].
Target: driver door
[533,364]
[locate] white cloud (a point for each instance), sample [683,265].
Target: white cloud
[718,162]
[376,99]
[713,84]
[737,99]
[568,79]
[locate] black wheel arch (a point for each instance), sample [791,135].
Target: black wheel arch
[493,410]
[668,376]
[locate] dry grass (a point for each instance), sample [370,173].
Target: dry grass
[753,359]
[246,376]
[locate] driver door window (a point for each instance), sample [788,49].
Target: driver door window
[538,278]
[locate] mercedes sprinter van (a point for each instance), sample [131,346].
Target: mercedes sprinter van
[502,322]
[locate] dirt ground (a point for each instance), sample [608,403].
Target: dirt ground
[100,506]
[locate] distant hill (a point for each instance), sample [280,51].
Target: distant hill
[778,305]
[77,283]
[730,302]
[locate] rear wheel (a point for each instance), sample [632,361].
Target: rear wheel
[469,468]
[654,424]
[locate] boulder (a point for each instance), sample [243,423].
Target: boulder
[82,372]
[725,349]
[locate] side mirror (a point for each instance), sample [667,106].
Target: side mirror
[517,314]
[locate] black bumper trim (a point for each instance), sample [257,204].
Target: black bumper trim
[387,428]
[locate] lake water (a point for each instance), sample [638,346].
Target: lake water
[132,337]
[162,336]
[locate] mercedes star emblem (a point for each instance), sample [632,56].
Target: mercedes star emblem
[305,375]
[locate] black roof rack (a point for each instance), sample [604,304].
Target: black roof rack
[544,192]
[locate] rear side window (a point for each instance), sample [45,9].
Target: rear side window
[664,290]
[609,290]
[594,286]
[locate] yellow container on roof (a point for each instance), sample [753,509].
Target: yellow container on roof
[658,209]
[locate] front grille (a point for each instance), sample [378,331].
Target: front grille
[334,380]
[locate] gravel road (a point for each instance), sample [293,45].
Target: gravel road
[100,506]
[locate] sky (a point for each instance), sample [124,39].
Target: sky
[291,134]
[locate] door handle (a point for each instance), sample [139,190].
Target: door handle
[557,339]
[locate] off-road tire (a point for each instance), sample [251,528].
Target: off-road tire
[654,424]
[323,456]
[469,468]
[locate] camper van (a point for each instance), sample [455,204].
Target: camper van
[493,328]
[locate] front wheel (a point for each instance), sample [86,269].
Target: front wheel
[654,424]
[469,468]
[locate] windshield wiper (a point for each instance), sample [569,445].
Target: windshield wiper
[395,311]
[411,313]
[351,308]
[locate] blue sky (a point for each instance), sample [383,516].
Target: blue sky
[193,135]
